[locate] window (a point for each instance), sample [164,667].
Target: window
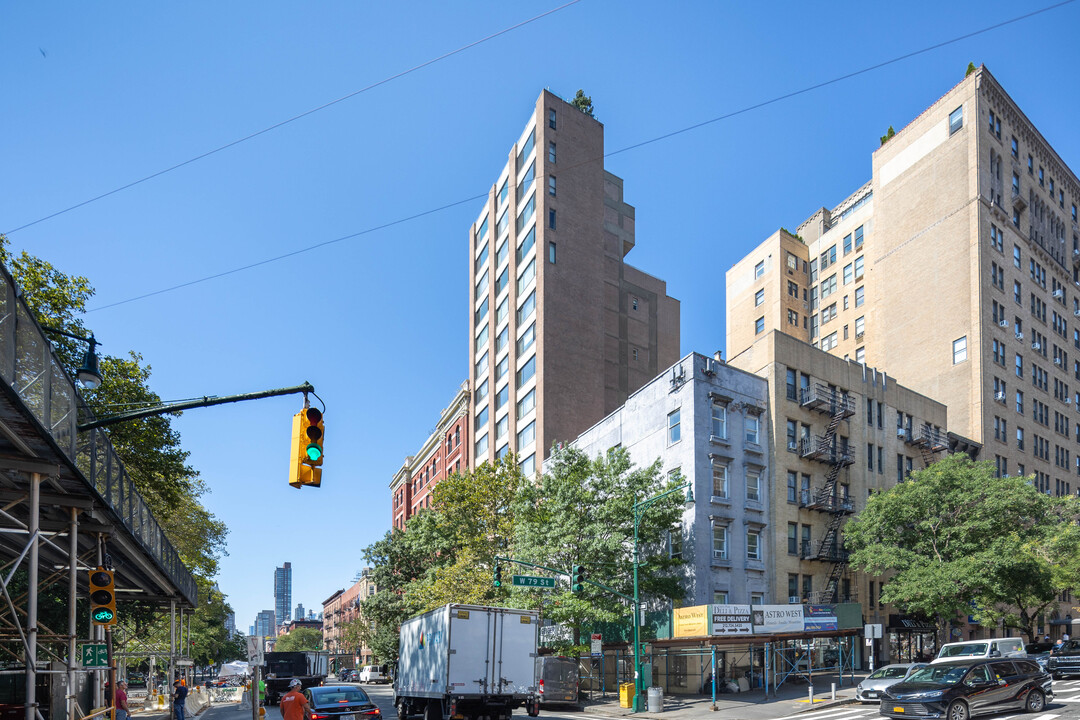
[753,485]
[503,311]
[860,297]
[860,326]
[675,542]
[792,389]
[759,269]
[1019,365]
[502,253]
[502,396]
[793,538]
[551,119]
[482,418]
[503,222]
[482,285]
[759,325]
[481,391]
[753,545]
[526,340]
[526,404]
[1015,184]
[848,275]
[858,267]
[860,355]
[526,245]
[956,119]
[526,372]
[1015,148]
[829,342]
[502,368]
[674,432]
[552,219]
[792,436]
[528,466]
[502,426]
[526,277]
[551,252]
[551,152]
[527,213]
[858,237]
[1016,254]
[753,426]
[720,480]
[719,542]
[482,338]
[847,243]
[793,290]
[551,185]
[828,286]
[959,350]
[792,486]
[482,445]
[719,420]
[502,340]
[759,297]
[526,436]
[481,259]
[482,364]
[527,308]
[502,281]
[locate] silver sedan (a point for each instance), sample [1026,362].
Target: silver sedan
[869,690]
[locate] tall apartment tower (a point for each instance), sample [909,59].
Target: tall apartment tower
[956,269]
[265,626]
[283,593]
[562,330]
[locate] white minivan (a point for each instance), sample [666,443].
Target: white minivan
[372,674]
[976,649]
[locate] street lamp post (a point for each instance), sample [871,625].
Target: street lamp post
[639,511]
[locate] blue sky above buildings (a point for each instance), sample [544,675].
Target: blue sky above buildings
[99,96]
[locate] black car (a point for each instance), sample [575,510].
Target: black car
[959,689]
[1064,659]
[341,702]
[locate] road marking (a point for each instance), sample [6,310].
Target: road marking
[838,714]
[1068,699]
[1048,716]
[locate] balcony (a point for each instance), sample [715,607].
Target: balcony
[818,448]
[824,399]
[829,502]
[832,553]
[930,437]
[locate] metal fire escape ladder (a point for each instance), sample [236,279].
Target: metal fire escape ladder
[830,544]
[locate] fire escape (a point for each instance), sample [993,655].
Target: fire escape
[829,449]
[928,439]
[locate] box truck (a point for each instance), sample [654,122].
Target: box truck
[467,661]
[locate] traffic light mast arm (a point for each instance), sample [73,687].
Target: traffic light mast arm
[206,401]
[616,593]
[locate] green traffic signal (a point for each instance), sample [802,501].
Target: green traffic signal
[498,575]
[577,581]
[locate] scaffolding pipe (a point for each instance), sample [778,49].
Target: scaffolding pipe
[73,552]
[32,598]
[172,655]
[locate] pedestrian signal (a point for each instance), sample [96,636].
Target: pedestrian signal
[102,597]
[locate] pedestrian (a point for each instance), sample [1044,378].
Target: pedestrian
[180,692]
[293,704]
[122,712]
[1065,637]
[262,691]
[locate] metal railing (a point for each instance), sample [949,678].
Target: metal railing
[29,365]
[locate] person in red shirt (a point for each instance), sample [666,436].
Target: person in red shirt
[293,704]
[122,701]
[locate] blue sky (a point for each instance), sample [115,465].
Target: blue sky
[98,95]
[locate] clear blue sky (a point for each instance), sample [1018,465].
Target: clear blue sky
[99,95]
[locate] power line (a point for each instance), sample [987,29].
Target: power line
[627,148]
[294,118]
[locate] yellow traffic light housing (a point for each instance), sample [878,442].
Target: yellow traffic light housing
[102,597]
[307,449]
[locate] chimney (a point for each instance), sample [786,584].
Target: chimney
[719,356]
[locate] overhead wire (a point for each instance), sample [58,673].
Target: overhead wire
[634,146]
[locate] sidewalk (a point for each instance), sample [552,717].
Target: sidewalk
[790,699]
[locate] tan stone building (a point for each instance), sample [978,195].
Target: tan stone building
[956,268]
[561,328]
[340,609]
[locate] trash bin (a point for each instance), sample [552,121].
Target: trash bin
[626,695]
[656,699]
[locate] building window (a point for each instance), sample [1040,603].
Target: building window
[674,431]
[719,542]
[793,538]
[719,420]
[551,219]
[1015,147]
[959,350]
[753,426]
[551,119]
[792,486]
[502,396]
[501,428]
[526,404]
[759,324]
[792,436]
[859,297]
[956,119]
[526,372]
[753,485]
[792,391]
[675,542]
[528,466]
[551,185]
[526,436]
[482,445]
[753,545]
[720,480]
[759,296]
[759,269]
[551,152]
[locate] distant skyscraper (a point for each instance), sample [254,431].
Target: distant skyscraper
[283,592]
[230,625]
[299,614]
[251,631]
[264,624]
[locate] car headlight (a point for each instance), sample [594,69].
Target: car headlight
[929,695]
[860,688]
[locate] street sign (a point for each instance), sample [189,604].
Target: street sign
[95,655]
[533,581]
[183,662]
[597,645]
[872,630]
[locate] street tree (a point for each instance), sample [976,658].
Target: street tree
[301,638]
[955,539]
[581,512]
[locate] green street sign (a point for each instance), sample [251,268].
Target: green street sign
[95,656]
[533,581]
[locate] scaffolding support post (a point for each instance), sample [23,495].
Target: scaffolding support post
[73,585]
[32,598]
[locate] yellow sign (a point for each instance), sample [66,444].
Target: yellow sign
[692,621]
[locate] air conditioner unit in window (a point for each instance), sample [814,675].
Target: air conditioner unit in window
[901,432]
[1057,361]
[792,445]
[999,396]
[719,554]
[794,599]
[1059,294]
[1019,335]
[1004,323]
[1036,345]
[1068,401]
[1076,313]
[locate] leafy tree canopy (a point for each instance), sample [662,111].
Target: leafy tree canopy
[583,103]
[301,638]
[956,537]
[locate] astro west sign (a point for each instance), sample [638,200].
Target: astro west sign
[728,620]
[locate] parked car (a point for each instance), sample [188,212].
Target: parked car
[869,690]
[373,674]
[341,702]
[960,689]
[1064,660]
[997,647]
[351,675]
[343,673]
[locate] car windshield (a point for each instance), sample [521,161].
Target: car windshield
[889,671]
[962,650]
[940,674]
[1070,646]
[334,694]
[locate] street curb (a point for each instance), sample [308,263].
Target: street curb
[828,704]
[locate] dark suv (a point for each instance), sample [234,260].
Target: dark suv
[959,689]
[1064,659]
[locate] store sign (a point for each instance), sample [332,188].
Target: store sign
[819,617]
[731,620]
[777,618]
[691,621]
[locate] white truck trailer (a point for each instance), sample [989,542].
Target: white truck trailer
[467,661]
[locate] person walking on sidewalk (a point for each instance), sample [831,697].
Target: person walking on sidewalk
[179,697]
[294,706]
[122,712]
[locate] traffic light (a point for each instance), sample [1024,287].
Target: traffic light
[498,575]
[577,581]
[102,597]
[307,448]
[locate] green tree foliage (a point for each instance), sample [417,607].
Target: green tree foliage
[955,536]
[582,512]
[583,103]
[301,638]
[888,135]
[970,69]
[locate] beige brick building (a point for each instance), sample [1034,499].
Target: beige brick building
[955,268]
[561,328]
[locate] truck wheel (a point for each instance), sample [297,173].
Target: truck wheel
[433,711]
[402,711]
